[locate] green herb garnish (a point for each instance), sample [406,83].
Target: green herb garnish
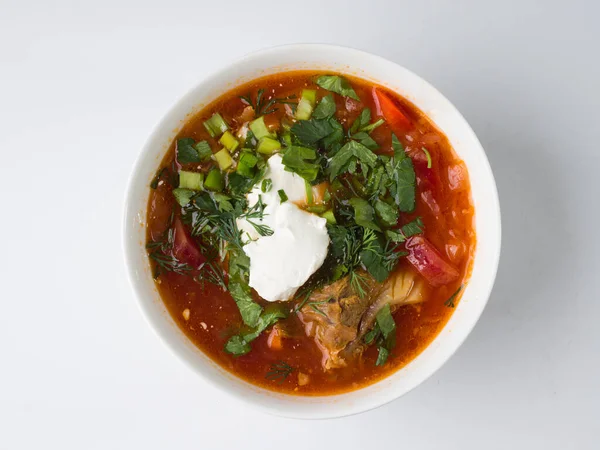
[450,302]
[186,153]
[279,371]
[325,109]
[303,161]
[282,196]
[266,185]
[309,132]
[346,158]
[428,157]
[337,84]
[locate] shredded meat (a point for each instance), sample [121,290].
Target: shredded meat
[338,319]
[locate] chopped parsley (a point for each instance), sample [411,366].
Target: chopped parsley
[337,84]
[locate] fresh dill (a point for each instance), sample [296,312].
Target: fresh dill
[262,107]
[256,211]
[450,302]
[315,307]
[279,371]
[213,273]
[161,253]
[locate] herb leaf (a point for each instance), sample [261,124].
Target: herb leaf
[279,371]
[239,265]
[185,151]
[361,121]
[309,132]
[402,178]
[387,326]
[337,84]
[325,109]
[333,141]
[382,356]
[450,302]
[203,149]
[183,196]
[364,213]
[413,228]
[301,160]
[386,212]
[240,344]
[344,160]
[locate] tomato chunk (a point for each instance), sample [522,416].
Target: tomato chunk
[392,113]
[185,248]
[429,262]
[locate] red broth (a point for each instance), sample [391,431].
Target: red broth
[209,316]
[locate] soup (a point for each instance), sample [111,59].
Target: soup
[310,232]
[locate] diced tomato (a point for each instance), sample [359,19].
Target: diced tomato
[392,113]
[184,247]
[428,261]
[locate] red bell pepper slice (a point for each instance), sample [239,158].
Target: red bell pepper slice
[393,115]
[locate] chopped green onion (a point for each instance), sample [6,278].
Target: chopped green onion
[191,180]
[428,157]
[309,192]
[259,129]
[317,209]
[282,196]
[268,145]
[214,180]
[224,159]
[216,126]
[183,196]
[249,159]
[229,141]
[286,138]
[266,185]
[372,126]
[329,216]
[203,149]
[306,104]
[244,170]
[246,164]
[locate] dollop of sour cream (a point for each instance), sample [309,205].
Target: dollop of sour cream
[282,262]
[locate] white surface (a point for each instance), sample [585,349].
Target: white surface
[83,85]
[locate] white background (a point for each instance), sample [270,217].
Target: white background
[82,86]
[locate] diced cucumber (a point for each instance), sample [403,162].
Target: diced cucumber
[224,159]
[183,196]
[306,104]
[229,141]
[214,180]
[268,146]
[259,129]
[216,125]
[191,180]
[329,216]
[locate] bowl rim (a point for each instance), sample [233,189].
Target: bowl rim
[129,246]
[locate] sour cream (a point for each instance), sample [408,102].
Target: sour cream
[282,262]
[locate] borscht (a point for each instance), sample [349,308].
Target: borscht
[310,232]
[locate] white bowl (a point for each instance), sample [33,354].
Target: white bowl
[362,65]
